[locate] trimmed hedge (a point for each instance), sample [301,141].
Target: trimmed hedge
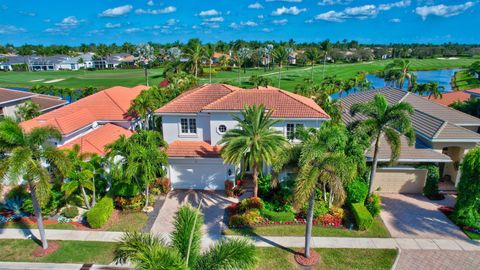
[278,216]
[363,218]
[100,213]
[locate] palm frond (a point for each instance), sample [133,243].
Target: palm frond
[234,254]
[187,235]
[132,243]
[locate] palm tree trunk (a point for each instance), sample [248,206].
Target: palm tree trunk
[94,193]
[147,195]
[38,214]
[324,192]
[311,71]
[279,75]
[255,179]
[85,197]
[324,62]
[308,229]
[374,165]
[210,73]
[196,69]
[146,73]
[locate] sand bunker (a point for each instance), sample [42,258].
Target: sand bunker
[54,81]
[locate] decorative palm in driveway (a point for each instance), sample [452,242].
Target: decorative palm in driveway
[148,251]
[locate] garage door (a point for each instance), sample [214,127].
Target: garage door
[198,176]
[400,180]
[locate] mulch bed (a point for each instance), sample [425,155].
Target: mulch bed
[304,261]
[40,252]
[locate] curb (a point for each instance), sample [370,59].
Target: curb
[396,259]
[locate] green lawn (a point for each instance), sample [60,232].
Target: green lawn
[128,221]
[280,259]
[472,235]
[69,252]
[465,80]
[291,76]
[378,229]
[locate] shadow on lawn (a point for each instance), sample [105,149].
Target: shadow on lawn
[25,227]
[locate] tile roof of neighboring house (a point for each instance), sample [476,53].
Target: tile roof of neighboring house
[220,97]
[430,120]
[474,92]
[108,105]
[95,141]
[192,149]
[8,95]
[415,153]
[449,98]
[46,102]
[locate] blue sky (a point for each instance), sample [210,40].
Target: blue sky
[137,21]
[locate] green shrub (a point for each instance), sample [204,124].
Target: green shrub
[252,216]
[48,208]
[125,189]
[278,216]
[237,220]
[70,212]
[320,208]
[374,204]
[251,203]
[100,213]
[357,191]
[363,218]
[19,192]
[433,176]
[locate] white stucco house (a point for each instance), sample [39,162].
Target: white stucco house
[194,123]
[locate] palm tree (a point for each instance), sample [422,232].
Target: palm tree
[323,162]
[28,110]
[150,252]
[312,57]
[194,52]
[258,81]
[144,105]
[399,69]
[432,89]
[80,175]
[209,51]
[30,157]
[253,142]
[145,55]
[143,159]
[383,119]
[280,55]
[326,46]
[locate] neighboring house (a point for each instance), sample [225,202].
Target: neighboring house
[474,93]
[217,55]
[10,100]
[92,122]
[448,98]
[444,135]
[195,122]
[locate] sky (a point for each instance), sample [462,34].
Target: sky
[139,21]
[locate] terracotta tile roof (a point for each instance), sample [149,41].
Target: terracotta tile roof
[192,149]
[95,141]
[475,91]
[108,105]
[221,97]
[449,98]
[192,101]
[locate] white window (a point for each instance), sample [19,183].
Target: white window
[188,126]
[292,131]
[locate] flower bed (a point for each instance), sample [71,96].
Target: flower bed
[328,222]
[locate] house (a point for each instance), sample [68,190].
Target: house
[92,122]
[216,58]
[444,135]
[10,100]
[194,123]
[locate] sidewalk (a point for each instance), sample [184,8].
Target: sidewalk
[271,241]
[57,266]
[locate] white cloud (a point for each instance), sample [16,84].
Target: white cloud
[366,10]
[133,30]
[267,30]
[399,4]
[395,20]
[334,2]
[309,21]
[117,11]
[256,5]
[150,3]
[234,25]
[443,10]
[26,13]
[260,16]
[289,1]
[248,23]
[166,10]
[331,16]
[214,19]
[172,22]
[113,25]
[11,29]
[210,25]
[70,21]
[210,12]
[280,22]
[291,10]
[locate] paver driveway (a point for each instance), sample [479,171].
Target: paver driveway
[414,216]
[213,208]
[438,259]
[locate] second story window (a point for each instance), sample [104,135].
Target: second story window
[188,125]
[292,131]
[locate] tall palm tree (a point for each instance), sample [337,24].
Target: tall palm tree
[384,119]
[280,56]
[312,56]
[150,252]
[326,46]
[144,105]
[432,89]
[253,142]
[145,55]
[323,162]
[209,51]
[194,52]
[29,152]
[143,159]
[399,69]
[80,175]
